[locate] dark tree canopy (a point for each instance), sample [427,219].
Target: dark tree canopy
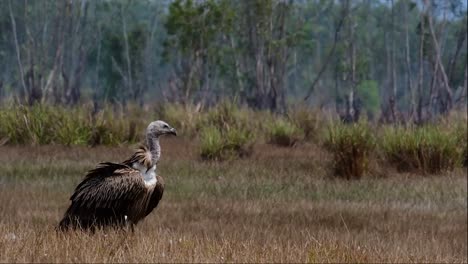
[397,55]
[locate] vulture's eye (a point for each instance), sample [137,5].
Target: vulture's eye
[166,126]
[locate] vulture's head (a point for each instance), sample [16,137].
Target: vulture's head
[158,128]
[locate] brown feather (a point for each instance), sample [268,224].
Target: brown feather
[156,195]
[110,192]
[141,156]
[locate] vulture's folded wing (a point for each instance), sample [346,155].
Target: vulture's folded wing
[112,186]
[156,195]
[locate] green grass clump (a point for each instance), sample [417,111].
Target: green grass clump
[307,120]
[226,132]
[183,117]
[30,125]
[211,143]
[464,152]
[44,124]
[460,132]
[222,144]
[283,133]
[227,115]
[427,149]
[351,146]
[72,129]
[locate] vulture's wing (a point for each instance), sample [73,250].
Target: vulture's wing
[156,195]
[109,186]
[140,156]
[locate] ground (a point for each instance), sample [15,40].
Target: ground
[279,205]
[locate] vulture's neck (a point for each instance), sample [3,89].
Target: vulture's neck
[154,148]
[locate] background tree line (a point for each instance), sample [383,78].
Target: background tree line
[394,60]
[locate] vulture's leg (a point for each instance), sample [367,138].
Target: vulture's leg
[129,224]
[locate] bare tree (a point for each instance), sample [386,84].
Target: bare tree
[420,94]
[409,82]
[439,69]
[393,81]
[127,52]
[343,15]
[17,48]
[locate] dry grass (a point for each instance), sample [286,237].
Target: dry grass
[279,205]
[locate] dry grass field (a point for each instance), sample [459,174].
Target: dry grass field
[279,205]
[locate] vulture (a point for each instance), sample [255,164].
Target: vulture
[120,194]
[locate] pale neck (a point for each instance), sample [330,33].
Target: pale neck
[154,147]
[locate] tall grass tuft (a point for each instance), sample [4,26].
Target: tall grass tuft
[226,132]
[351,146]
[464,147]
[45,124]
[184,117]
[216,144]
[307,120]
[283,133]
[211,143]
[427,149]
[227,115]
[460,132]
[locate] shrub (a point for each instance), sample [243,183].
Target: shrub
[368,91]
[73,128]
[109,127]
[225,132]
[211,143]
[183,117]
[427,149]
[460,132]
[283,133]
[464,152]
[28,125]
[227,115]
[351,146]
[221,144]
[306,120]
[465,156]
[44,124]
[239,142]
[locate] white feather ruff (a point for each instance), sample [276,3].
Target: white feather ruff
[149,176]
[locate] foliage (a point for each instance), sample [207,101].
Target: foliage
[225,133]
[227,212]
[43,124]
[265,52]
[186,118]
[368,91]
[284,133]
[307,120]
[427,149]
[226,115]
[221,144]
[193,28]
[351,146]
[115,70]
[211,143]
[460,132]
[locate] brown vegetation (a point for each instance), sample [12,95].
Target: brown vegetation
[280,205]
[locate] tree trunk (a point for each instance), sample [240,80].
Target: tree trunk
[18,53]
[127,55]
[420,95]
[408,63]
[453,60]
[392,67]
[445,83]
[343,16]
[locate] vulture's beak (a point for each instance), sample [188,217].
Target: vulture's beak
[173,132]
